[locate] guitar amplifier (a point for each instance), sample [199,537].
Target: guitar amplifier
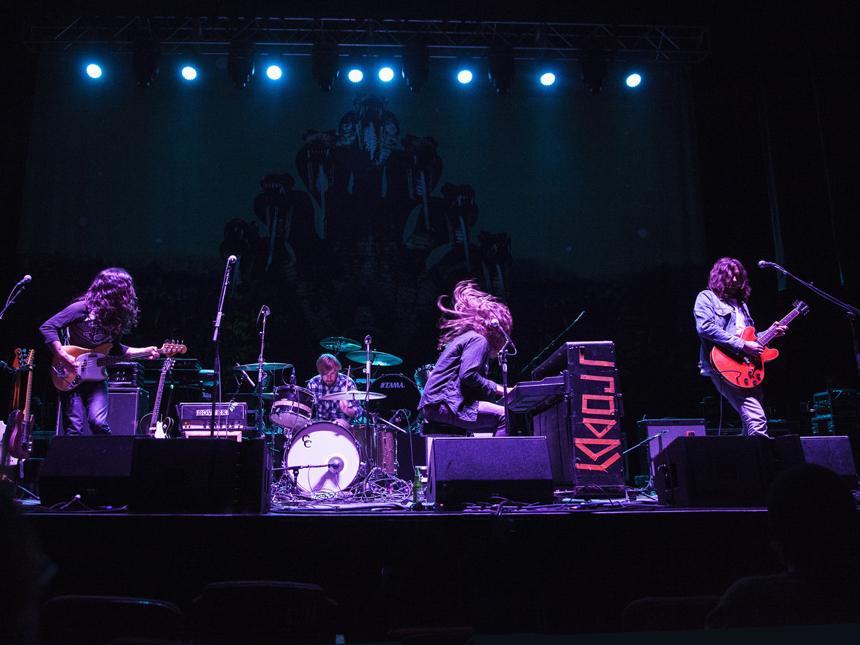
[228,416]
[125,375]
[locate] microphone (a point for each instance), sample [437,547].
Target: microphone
[762,264]
[367,340]
[265,310]
[25,279]
[494,323]
[231,259]
[335,464]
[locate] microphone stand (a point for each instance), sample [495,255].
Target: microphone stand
[216,382]
[260,381]
[852,312]
[503,362]
[543,351]
[14,294]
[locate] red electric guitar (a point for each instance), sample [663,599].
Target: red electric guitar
[741,370]
[21,441]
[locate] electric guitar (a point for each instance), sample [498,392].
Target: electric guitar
[93,363]
[151,423]
[741,370]
[21,441]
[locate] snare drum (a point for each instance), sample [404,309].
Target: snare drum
[323,458]
[293,407]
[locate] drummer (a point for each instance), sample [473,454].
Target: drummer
[329,381]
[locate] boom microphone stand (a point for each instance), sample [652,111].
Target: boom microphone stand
[216,382]
[852,312]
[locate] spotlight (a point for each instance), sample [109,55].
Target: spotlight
[592,62]
[274,72]
[500,60]
[386,74]
[240,63]
[633,80]
[144,61]
[189,72]
[547,79]
[355,68]
[416,65]
[94,71]
[324,63]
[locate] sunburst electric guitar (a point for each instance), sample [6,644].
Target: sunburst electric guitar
[152,423]
[93,364]
[741,370]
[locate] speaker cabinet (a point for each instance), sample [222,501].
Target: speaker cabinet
[661,433]
[219,476]
[125,408]
[722,471]
[833,453]
[476,469]
[96,468]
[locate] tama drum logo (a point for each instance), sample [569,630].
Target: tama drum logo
[394,385]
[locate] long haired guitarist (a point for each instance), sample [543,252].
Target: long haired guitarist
[94,321]
[722,316]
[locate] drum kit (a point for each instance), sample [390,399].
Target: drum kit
[326,457]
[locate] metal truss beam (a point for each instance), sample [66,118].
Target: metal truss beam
[212,35]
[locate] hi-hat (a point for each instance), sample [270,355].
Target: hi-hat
[352,395]
[376,358]
[338,344]
[267,367]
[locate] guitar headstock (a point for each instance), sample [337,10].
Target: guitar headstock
[168,364]
[802,307]
[171,348]
[23,358]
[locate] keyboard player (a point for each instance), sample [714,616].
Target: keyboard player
[458,390]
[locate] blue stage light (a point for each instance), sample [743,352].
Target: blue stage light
[464,76]
[633,80]
[355,75]
[189,73]
[386,74]
[547,79]
[274,72]
[94,71]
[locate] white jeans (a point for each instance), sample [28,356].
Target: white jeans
[748,403]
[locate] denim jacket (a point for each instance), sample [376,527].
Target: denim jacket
[713,319]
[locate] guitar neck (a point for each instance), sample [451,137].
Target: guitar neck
[770,334]
[104,361]
[157,404]
[29,387]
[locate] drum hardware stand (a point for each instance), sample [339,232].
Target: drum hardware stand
[264,312]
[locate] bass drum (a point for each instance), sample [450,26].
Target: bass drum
[401,394]
[323,458]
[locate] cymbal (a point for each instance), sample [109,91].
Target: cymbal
[267,367]
[352,395]
[338,344]
[376,358]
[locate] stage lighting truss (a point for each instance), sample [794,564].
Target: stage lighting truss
[240,63]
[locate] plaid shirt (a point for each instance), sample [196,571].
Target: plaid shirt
[331,409]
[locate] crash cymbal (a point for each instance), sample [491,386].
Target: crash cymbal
[376,358]
[352,395]
[337,344]
[267,367]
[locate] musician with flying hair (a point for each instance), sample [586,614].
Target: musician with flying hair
[103,314]
[458,390]
[722,314]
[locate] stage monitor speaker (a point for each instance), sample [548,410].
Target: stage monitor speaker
[477,469]
[218,476]
[833,453]
[722,471]
[126,406]
[664,432]
[96,468]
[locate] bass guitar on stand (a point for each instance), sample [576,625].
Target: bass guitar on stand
[742,370]
[21,441]
[152,423]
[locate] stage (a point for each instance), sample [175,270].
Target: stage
[556,569]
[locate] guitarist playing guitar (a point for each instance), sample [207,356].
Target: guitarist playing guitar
[722,319]
[97,319]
